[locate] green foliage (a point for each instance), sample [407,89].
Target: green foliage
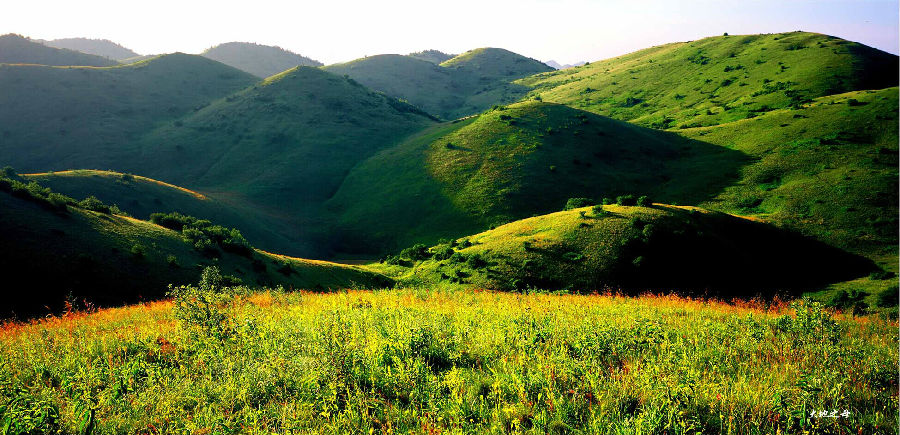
[201,308]
[93,204]
[416,252]
[643,201]
[888,297]
[626,200]
[573,203]
[203,234]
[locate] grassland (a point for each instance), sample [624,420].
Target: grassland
[97,47]
[460,86]
[17,49]
[719,79]
[514,162]
[634,249]
[55,118]
[425,361]
[260,60]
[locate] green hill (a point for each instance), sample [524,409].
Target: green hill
[284,145]
[52,251]
[97,47]
[259,60]
[656,248]
[463,85]
[433,56]
[513,162]
[828,169]
[140,197]
[17,49]
[718,79]
[54,118]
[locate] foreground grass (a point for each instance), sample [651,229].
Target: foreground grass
[430,361]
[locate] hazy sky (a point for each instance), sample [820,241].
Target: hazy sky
[335,30]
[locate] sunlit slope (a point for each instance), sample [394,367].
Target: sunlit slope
[287,142]
[110,259]
[259,60]
[718,79]
[55,118]
[517,161]
[140,196]
[17,49]
[655,248]
[463,85]
[828,169]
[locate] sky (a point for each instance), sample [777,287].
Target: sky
[333,31]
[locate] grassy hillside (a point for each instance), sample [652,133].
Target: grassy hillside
[19,49]
[259,60]
[633,248]
[433,56]
[420,361]
[140,197]
[466,84]
[54,118]
[720,79]
[52,252]
[517,161]
[97,47]
[828,169]
[284,145]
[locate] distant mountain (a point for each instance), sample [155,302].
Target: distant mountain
[17,49]
[460,86]
[54,118]
[259,60]
[433,56]
[555,65]
[97,47]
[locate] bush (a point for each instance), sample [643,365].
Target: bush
[442,252]
[598,211]
[201,308]
[476,261]
[137,250]
[416,252]
[643,201]
[93,204]
[628,200]
[573,203]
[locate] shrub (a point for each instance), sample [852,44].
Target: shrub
[442,252]
[137,250]
[93,204]
[573,257]
[574,203]
[416,252]
[201,308]
[643,201]
[476,261]
[626,200]
[598,211]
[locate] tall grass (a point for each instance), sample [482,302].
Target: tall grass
[429,361]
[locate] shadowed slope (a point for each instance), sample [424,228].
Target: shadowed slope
[61,118]
[20,50]
[259,60]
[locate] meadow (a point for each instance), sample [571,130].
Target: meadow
[443,360]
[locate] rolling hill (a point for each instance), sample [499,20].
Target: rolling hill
[52,251]
[463,85]
[140,197]
[513,162]
[97,47]
[259,60]
[284,145]
[719,79]
[54,118]
[634,249]
[17,49]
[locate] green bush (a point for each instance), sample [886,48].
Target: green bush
[93,204]
[416,252]
[201,308]
[643,201]
[573,203]
[889,297]
[442,252]
[626,200]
